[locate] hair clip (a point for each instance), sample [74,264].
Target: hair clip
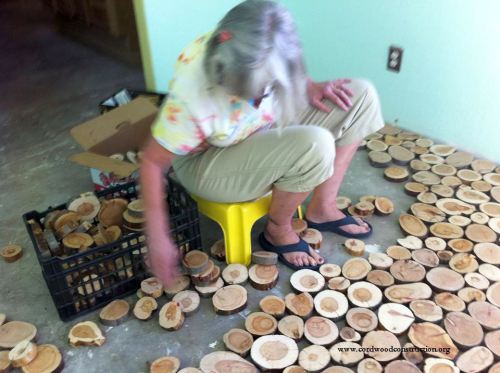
[224,36]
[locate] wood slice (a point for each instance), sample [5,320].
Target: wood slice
[494,224]
[406,271]
[427,198]
[398,252]
[331,304]
[491,272]
[362,320]
[356,268]
[461,221]
[11,253]
[427,213]
[446,230]
[495,193]
[468,176]
[209,275]
[23,354]
[460,159]
[396,174]
[405,293]
[238,341]
[426,310]
[452,206]
[389,129]
[67,219]
[171,317]
[260,323]
[230,299]
[443,169]
[224,361]
[395,318]
[380,260]
[463,329]
[300,305]
[461,245]
[330,270]
[188,300]
[152,287]
[13,332]
[306,280]
[480,233]
[343,202]
[426,257]
[492,178]
[425,143]
[195,262]
[339,284]
[5,364]
[111,212]
[418,150]
[218,250]
[493,294]
[346,353]
[463,263]
[488,252]
[264,258]
[313,237]
[165,364]
[86,333]
[469,294]
[482,166]
[87,205]
[144,308]
[434,339]
[426,178]
[451,181]
[292,326]
[273,305]
[486,314]
[449,302]
[492,341]
[413,188]
[379,159]
[434,365]
[443,191]
[477,359]
[494,368]
[411,242]
[263,277]
[477,280]
[115,313]
[418,165]
[398,366]
[481,186]
[320,331]
[379,278]
[348,334]
[491,209]
[432,159]
[412,354]
[376,146]
[381,342]
[481,218]
[210,289]
[412,226]
[354,247]
[472,196]
[400,155]
[444,256]
[295,368]
[298,226]
[48,359]
[314,358]
[392,140]
[235,274]
[273,352]
[181,283]
[445,279]
[77,241]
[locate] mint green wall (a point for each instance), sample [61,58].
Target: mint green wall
[449,85]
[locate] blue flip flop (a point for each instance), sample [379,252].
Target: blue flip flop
[335,227]
[301,246]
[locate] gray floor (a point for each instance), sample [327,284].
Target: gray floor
[49,84]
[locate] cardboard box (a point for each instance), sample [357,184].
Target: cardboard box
[118,131]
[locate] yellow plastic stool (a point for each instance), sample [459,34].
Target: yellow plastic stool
[236,221]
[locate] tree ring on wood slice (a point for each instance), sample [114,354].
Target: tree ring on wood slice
[449,302]
[23,353]
[431,159]
[218,250]
[239,341]
[354,247]
[490,271]
[381,342]
[426,310]
[356,268]
[330,270]
[235,274]
[434,339]
[263,277]
[396,174]
[493,294]
[480,218]
[13,332]
[273,352]
[461,245]
[313,237]
[86,333]
[171,316]
[292,326]
[428,198]
[152,287]
[224,361]
[407,271]
[443,169]
[480,233]
[314,358]
[395,318]
[208,290]
[331,304]
[468,177]
[298,226]
[426,178]
[427,213]
[380,278]
[444,279]
[195,262]
[380,260]
[144,308]
[347,353]
[348,334]
[492,209]
[260,323]
[400,155]
[165,364]
[426,257]
[11,253]
[435,243]
[463,263]
[188,300]
[379,159]
[376,145]
[470,294]
[412,225]
[339,283]
[492,342]
[463,329]
[320,330]
[273,305]
[477,359]
[442,190]
[486,314]
[460,159]
[461,221]
[180,283]
[306,280]
[362,320]
[413,188]
[452,207]
[299,304]
[115,313]
[398,252]
[405,293]
[411,242]
[48,359]
[477,280]
[444,256]
[77,241]
[446,230]
[472,196]
[343,202]
[264,258]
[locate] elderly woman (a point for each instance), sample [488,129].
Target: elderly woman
[243,118]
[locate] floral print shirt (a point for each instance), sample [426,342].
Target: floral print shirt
[197,115]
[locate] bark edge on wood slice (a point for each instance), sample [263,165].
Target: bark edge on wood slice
[412,226]
[230,299]
[331,304]
[411,242]
[263,277]
[407,271]
[264,258]
[397,252]
[219,361]
[298,226]
[48,359]
[364,294]
[235,274]
[300,305]
[379,159]
[144,308]
[446,230]
[23,353]
[11,253]
[313,237]
[356,268]
[115,312]
[195,262]
[165,364]
[445,279]
[413,188]
[339,283]
[380,260]
[273,305]
[463,329]
[307,280]
[451,206]
[171,317]
[180,283]
[152,287]
[348,334]
[400,155]
[320,331]
[463,263]
[427,213]
[477,280]
[238,341]
[405,293]
[86,333]
[396,174]
[470,294]
[260,323]
[330,270]
[13,332]
[433,338]
[480,233]
[292,326]
[274,352]
[426,257]
[380,278]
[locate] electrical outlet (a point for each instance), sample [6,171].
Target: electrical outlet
[395,58]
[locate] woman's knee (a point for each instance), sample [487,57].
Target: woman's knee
[366,91]
[316,144]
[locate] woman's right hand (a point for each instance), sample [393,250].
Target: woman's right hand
[164,259]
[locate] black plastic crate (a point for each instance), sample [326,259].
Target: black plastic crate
[83,282]
[125,95]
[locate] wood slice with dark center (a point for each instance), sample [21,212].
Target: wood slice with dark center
[405,293]
[260,323]
[452,206]
[460,159]
[171,317]
[48,359]
[400,155]
[444,256]
[461,245]
[13,332]
[165,364]
[407,271]
[380,278]
[426,257]
[445,279]
[492,342]
[381,342]
[427,213]
[238,341]
[320,331]
[426,310]
[330,270]
[263,277]
[362,320]
[395,318]
[86,333]
[480,233]
[493,294]
[477,359]
[273,352]
[115,313]
[412,226]
[306,280]
[446,230]
[379,159]
[434,339]
[398,252]
[273,305]
[339,284]
[413,188]
[224,361]
[300,305]
[485,314]
[345,354]
[292,326]
[356,268]
[396,174]
[463,329]
[331,304]
[264,258]
[348,334]
[449,302]
[469,294]
[463,263]
[144,308]
[314,358]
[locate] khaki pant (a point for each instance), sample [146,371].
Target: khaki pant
[295,159]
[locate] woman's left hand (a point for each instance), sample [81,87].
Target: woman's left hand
[335,91]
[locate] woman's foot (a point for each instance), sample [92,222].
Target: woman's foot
[317,215]
[284,235]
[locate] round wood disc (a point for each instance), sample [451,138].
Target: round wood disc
[442,150]
[300,305]
[180,283]
[379,159]
[452,206]
[376,145]
[469,294]
[463,329]
[425,257]
[431,159]
[488,252]
[411,242]
[389,129]
[413,188]
[434,365]
[381,342]
[398,366]
[443,169]
[425,143]
[165,364]
[171,316]
[235,274]
[380,260]
[48,359]
[115,313]
[264,258]
[208,290]
[306,280]
[356,268]
[494,224]
[195,262]
[362,320]
[348,334]
[292,326]
[434,339]
[493,294]
[298,226]
[260,323]
[492,342]
[339,283]
[364,208]
[446,230]
[445,279]
[78,241]
[460,159]
[481,186]
[238,341]
[443,191]
[461,221]
[490,271]
[449,302]
[468,176]
[412,354]
[480,218]
[11,253]
[395,318]
[480,233]
[111,212]
[444,256]
[314,358]
[396,174]
[331,304]
[427,198]
[218,250]
[492,178]
[495,193]
[22,354]
[320,331]
[483,166]
[405,293]
[224,361]
[263,277]
[380,278]
[412,226]
[486,314]
[418,165]
[400,155]
[398,252]
[343,202]
[369,365]
[392,140]
[463,263]
[354,247]
[313,237]
[427,213]
[426,310]
[461,245]
[273,305]
[144,308]
[152,287]
[426,178]
[13,332]
[491,209]
[495,368]
[330,270]
[451,181]
[472,196]
[86,205]
[407,271]
[477,280]
[5,363]
[230,299]
[435,243]
[346,354]
[477,359]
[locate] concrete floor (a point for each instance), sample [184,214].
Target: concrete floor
[49,84]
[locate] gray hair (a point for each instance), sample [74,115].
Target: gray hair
[263,49]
